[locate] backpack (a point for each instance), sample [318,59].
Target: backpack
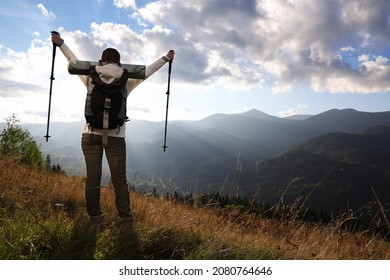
[105,106]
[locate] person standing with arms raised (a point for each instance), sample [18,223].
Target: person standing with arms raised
[108,73]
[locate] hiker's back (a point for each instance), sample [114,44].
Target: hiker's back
[105,106]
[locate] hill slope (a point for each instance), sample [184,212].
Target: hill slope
[42,217]
[322,183]
[369,147]
[335,171]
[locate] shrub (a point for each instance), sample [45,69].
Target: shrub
[18,143]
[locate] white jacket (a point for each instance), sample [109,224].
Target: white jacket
[108,73]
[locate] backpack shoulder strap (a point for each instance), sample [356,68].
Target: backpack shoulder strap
[123,79]
[94,75]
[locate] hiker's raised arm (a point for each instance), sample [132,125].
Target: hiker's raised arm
[70,56]
[150,70]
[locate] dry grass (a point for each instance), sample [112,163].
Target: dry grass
[251,234]
[42,217]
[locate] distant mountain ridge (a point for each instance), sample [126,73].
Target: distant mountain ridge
[204,155]
[348,120]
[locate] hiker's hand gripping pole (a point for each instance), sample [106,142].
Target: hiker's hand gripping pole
[168,93]
[51,86]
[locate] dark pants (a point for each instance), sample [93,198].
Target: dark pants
[116,158]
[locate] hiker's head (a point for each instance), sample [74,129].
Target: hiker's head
[111,55]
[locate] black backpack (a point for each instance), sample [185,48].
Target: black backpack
[105,106]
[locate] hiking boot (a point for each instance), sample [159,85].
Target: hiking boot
[97,219]
[96,223]
[125,220]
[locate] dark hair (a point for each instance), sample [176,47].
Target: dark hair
[111,55]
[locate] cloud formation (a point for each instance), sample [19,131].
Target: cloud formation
[293,111]
[247,43]
[329,46]
[125,4]
[45,12]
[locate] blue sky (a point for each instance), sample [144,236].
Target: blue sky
[277,56]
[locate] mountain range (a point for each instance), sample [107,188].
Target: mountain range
[333,160]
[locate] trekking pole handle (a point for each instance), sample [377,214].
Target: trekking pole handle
[170,62]
[170,70]
[54,32]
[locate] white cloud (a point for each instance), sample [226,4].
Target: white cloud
[125,4]
[348,49]
[371,76]
[45,11]
[299,109]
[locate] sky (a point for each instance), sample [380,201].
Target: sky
[281,57]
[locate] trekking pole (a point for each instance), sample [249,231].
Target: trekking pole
[168,93]
[51,85]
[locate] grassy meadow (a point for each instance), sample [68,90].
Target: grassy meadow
[42,216]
